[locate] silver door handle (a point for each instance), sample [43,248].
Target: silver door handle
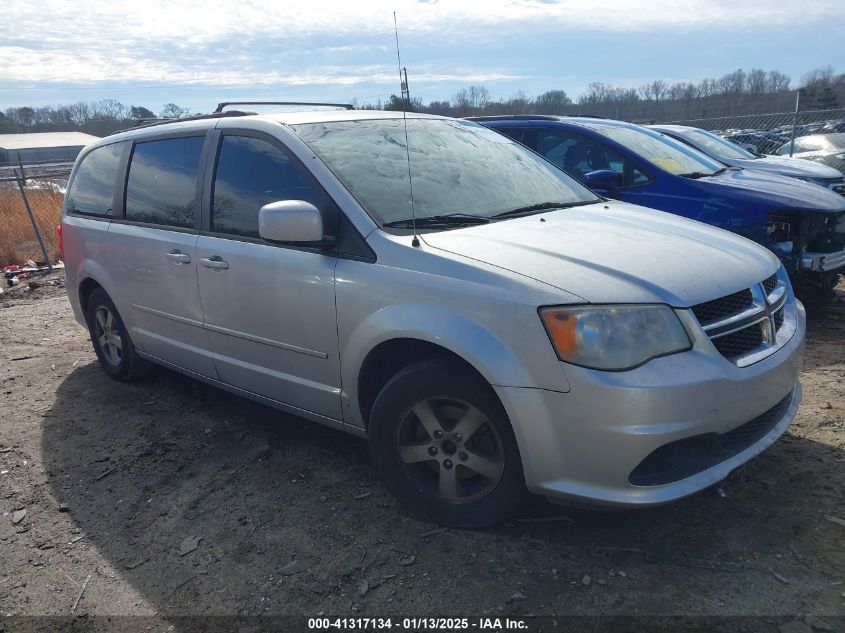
[215,263]
[178,257]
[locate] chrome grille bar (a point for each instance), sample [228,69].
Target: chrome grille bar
[757,328]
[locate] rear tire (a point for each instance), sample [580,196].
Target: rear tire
[443,444]
[111,341]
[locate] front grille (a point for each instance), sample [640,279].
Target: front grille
[744,326]
[733,346]
[779,317]
[684,458]
[722,308]
[770,284]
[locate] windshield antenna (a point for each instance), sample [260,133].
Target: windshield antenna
[403,89]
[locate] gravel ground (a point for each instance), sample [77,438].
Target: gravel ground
[167,497]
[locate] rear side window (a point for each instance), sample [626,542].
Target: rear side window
[162,183]
[251,173]
[92,189]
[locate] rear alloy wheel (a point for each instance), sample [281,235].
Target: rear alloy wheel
[108,335]
[443,444]
[110,338]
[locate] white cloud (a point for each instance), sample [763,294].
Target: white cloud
[220,42]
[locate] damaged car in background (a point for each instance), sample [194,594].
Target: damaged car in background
[801,222]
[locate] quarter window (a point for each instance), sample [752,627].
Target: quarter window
[92,189]
[250,173]
[162,183]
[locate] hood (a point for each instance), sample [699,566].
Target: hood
[793,167]
[775,191]
[616,253]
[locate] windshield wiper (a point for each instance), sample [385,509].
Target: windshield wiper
[695,175]
[451,219]
[542,206]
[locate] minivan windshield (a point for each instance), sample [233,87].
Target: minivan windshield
[662,151]
[716,145]
[459,169]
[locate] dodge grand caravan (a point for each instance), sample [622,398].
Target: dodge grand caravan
[490,325]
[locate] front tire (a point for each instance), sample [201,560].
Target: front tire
[110,338]
[443,444]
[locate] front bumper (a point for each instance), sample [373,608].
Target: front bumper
[822,262]
[583,445]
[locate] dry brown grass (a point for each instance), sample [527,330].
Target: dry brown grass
[17,239]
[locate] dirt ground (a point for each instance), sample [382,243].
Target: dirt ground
[169,497]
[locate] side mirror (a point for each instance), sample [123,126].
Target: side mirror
[603,181]
[290,221]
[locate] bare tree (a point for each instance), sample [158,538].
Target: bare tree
[173,111]
[776,82]
[655,91]
[518,103]
[732,83]
[756,81]
[822,75]
[109,109]
[552,102]
[79,112]
[471,100]
[707,87]
[140,112]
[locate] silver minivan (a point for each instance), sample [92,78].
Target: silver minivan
[489,325]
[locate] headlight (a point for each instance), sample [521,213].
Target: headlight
[614,337]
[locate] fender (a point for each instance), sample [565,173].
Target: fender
[91,269]
[482,349]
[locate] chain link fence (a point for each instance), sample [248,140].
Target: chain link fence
[767,133]
[23,230]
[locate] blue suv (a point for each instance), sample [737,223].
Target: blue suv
[802,223]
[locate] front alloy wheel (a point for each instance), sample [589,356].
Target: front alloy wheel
[450,449]
[443,445]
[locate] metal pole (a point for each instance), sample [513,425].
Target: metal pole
[794,123]
[22,187]
[405,90]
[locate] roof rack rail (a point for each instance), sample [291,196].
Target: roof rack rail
[588,116]
[513,117]
[346,106]
[142,123]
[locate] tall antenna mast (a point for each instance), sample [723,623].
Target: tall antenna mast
[403,88]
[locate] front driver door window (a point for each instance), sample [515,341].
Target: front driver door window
[269,308]
[578,156]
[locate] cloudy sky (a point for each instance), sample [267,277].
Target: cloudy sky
[196,52]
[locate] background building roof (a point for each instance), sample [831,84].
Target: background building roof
[44,139]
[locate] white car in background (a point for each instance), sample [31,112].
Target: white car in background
[733,155]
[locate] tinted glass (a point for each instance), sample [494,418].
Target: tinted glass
[716,145]
[457,167]
[579,156]
[662,151]
[785,149]
[251,173]
[92,189]
[162,184]
[514,133]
